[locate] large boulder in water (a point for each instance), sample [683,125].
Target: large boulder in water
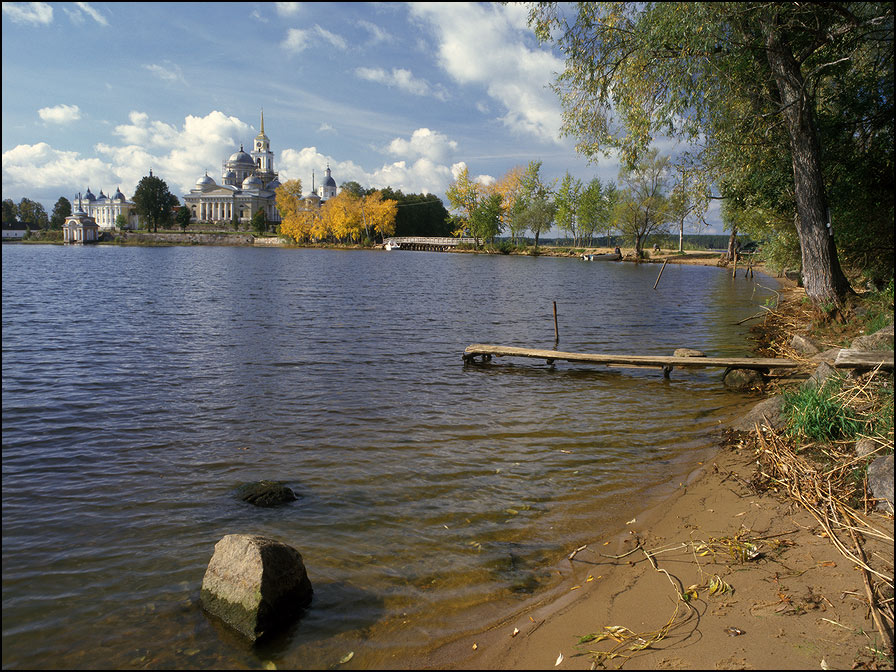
[255,584]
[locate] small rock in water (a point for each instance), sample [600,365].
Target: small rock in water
[266,493]
[743,379]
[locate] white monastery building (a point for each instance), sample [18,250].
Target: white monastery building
[104,210]
[248,182]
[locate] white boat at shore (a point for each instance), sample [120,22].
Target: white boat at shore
[391,246]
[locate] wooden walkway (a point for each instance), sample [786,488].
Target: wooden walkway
[856,359]
[427,242]
[846,359]
[666,363]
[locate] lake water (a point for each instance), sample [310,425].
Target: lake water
[142,385]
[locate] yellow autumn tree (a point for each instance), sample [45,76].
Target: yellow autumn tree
[341,215]
[294,219]
[510,188]
[379,214]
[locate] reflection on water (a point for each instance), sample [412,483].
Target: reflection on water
[141,386]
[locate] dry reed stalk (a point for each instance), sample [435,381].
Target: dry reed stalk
[815,492]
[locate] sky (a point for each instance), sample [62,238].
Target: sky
[384,94]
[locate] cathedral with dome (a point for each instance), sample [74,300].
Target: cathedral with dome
[248,182]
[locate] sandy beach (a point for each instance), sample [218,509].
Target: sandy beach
[765,586]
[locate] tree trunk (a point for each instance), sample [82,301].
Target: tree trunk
[732,244]
[823,277]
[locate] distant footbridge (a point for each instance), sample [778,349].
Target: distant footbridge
[425,243]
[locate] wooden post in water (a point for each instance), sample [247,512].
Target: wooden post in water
[661,274]
[734,272]
[556,331]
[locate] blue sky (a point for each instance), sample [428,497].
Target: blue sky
[386,94]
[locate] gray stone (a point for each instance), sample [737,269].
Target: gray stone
[255,584]
[743,379]
[688,352]
[265,493]
[865,447]
[820,376]
[880,482]
[766,413]
[804,345]
[879,340]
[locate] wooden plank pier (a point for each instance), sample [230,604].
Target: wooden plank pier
[666,363]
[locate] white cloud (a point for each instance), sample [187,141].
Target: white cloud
[332,38]
[513,74]
[399,78]
[309,166]
[288,8]
[377,34]
[170,72]
[32,168]
[424,176]
[298,39]
[424,143]
[179,155]
[92,13]
[38,13]
[421,176]
[60,114]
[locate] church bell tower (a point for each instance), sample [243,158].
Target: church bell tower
[263,156]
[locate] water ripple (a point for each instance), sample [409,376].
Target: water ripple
[426,487]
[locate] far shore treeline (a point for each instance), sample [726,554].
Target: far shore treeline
[785,112]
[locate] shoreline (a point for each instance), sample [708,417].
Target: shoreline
[786,611]
[798,604]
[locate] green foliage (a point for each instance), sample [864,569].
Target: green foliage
[33,213]
[419,214]
[536,207]
[61,210]
[642,208]
[182,218]
[9,211]
[878,309]
[790,103]
[259,222]
[485,219]
[153,201]
[816,413]
[568,203]
[781,252]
